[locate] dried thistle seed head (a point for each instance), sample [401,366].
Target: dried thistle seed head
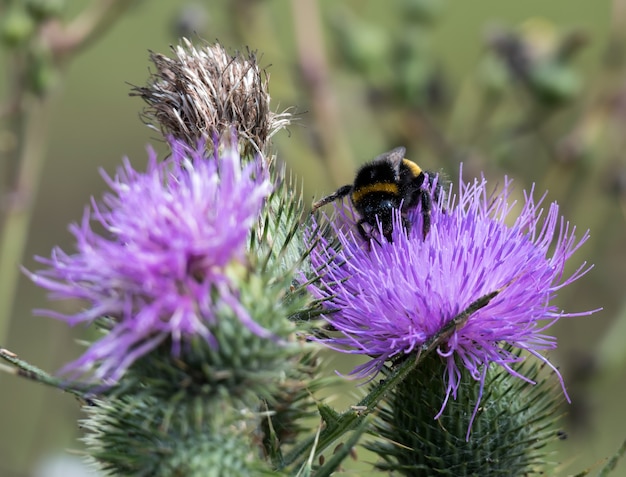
[204,93]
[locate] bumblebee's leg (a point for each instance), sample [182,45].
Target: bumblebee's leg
[338,194]
[415,195]
[406,224]
[364,235]
[437,190]
[427,205]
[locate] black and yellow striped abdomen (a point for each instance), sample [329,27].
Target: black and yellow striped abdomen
[378,187]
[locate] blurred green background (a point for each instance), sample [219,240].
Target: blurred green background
[534,90]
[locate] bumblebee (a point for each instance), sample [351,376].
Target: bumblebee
[388,182]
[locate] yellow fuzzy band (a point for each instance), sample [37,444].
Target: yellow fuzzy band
[414,168]
[387,187]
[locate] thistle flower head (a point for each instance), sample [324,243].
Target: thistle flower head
[174,238]
[203,93]
[387,299]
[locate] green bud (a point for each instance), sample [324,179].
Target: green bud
[414,67]
[422,11]
[368,46]
[42,74]
[509,434]
[493,75]
[362,45]
[554,83]
[16,27]
[141,435]
[412,79]
[43,9]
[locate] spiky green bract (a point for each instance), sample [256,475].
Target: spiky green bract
[136,436]
[198,413]
[509,434]
[161,255]
[276,241]
[244,366]
[293,408]
[215,397]
[278,247]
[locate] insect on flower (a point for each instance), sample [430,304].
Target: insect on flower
[387,302]
[390,182]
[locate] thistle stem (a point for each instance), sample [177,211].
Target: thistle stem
[33,373]
[353,417]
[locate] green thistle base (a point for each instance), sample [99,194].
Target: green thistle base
[513,425]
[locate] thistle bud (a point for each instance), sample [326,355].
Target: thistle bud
[203,93]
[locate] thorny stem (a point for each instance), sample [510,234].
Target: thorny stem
[354,416]
[613,461]
[33,373]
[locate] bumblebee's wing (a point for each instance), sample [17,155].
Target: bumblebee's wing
[394,156]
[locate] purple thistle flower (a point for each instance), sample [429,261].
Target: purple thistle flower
[387,299]
[170,236]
